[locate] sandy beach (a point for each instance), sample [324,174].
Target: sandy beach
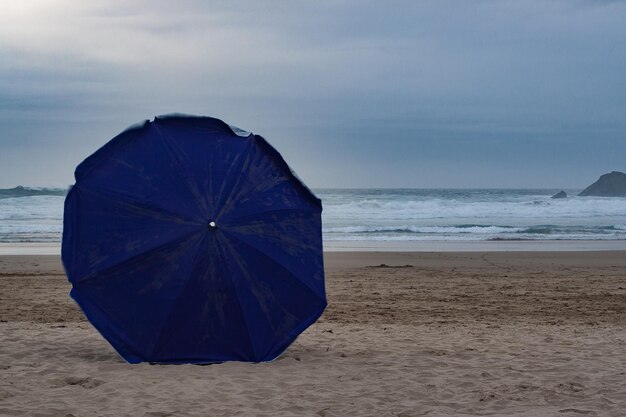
[405,334]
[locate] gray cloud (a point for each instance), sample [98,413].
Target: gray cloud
[425,94]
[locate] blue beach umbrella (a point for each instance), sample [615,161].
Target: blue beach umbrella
[188,241]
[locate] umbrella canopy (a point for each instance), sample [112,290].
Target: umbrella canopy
[186,242]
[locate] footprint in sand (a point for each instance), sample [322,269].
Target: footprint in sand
[85,382]
[576,411]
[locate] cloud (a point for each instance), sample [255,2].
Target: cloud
[410,81]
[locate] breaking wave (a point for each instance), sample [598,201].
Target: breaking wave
[36,215]
[469,215]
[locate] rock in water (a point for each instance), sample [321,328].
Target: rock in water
[560,194]
[609,185]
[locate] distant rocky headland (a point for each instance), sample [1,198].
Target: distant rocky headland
[608,185]
[21,191]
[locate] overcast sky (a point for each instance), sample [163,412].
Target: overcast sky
[352,93]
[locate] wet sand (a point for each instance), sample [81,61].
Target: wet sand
[405,334]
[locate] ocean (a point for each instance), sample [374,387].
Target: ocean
[36,215]
[469,214]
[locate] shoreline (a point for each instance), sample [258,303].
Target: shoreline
[476,246]
[35,248]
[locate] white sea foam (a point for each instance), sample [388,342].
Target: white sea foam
[575,207]
[31,218]
[424,229]
[469,215]
[393,215]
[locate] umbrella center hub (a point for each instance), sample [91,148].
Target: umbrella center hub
[211,225]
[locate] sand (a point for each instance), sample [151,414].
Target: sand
[425,334]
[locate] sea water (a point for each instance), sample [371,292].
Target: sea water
[31,214]
[36,215]
[460,215]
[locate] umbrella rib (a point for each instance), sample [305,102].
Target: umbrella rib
[196,258]
[242,164]
[278,158]
[256,187]
[291,336]
[110,195]
[243,314]
[137,256]
[265,255]
[169,144]
[95,302]
[294,209]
